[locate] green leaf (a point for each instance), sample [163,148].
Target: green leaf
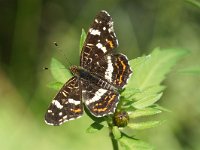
[144,112]
[55,85]
[144,86]
[151,70]
[144,125]
[154,89]
[129,143]
[59,72]
[94,127]
[129,93]
[116,132]
[135,94]
[156,106]
[143,99]
[194,3]
[82,39]
[146,101]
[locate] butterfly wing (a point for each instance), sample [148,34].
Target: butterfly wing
[100,40]
[99,101]
[97,56]
[114,68]
[66,105]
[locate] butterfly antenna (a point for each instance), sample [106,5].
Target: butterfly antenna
[45,68]
[61,52]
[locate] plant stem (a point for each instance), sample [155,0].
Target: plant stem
[113,140]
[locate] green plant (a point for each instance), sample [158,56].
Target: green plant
[138,99]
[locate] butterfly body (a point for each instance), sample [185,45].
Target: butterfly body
[89,78]
[98,79]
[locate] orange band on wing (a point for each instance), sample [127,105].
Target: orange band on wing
[104,109]
[110,43]
[124,68]
[76,110]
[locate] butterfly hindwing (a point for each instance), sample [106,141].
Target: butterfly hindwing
[100,40]
[66,105]
[98,100]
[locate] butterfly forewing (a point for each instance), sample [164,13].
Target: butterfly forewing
[66,105]
[100,40]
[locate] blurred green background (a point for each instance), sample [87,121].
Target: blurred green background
[28,29]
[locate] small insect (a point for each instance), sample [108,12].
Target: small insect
[98,79]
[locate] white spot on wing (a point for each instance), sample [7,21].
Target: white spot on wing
[96,21]
[104,28]
[57,104]
[110,29]
[49,111]
[110,23]
[68,119]
[117,43]
[100,46]
[104,49]
[65,117]
[105,12]
[94,31]
[109,70]
[89,44]
[73,101]
[64,94]
[63,120]
[48,123]
[60,113]
[97,96]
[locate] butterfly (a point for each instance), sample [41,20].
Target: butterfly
[98,79]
